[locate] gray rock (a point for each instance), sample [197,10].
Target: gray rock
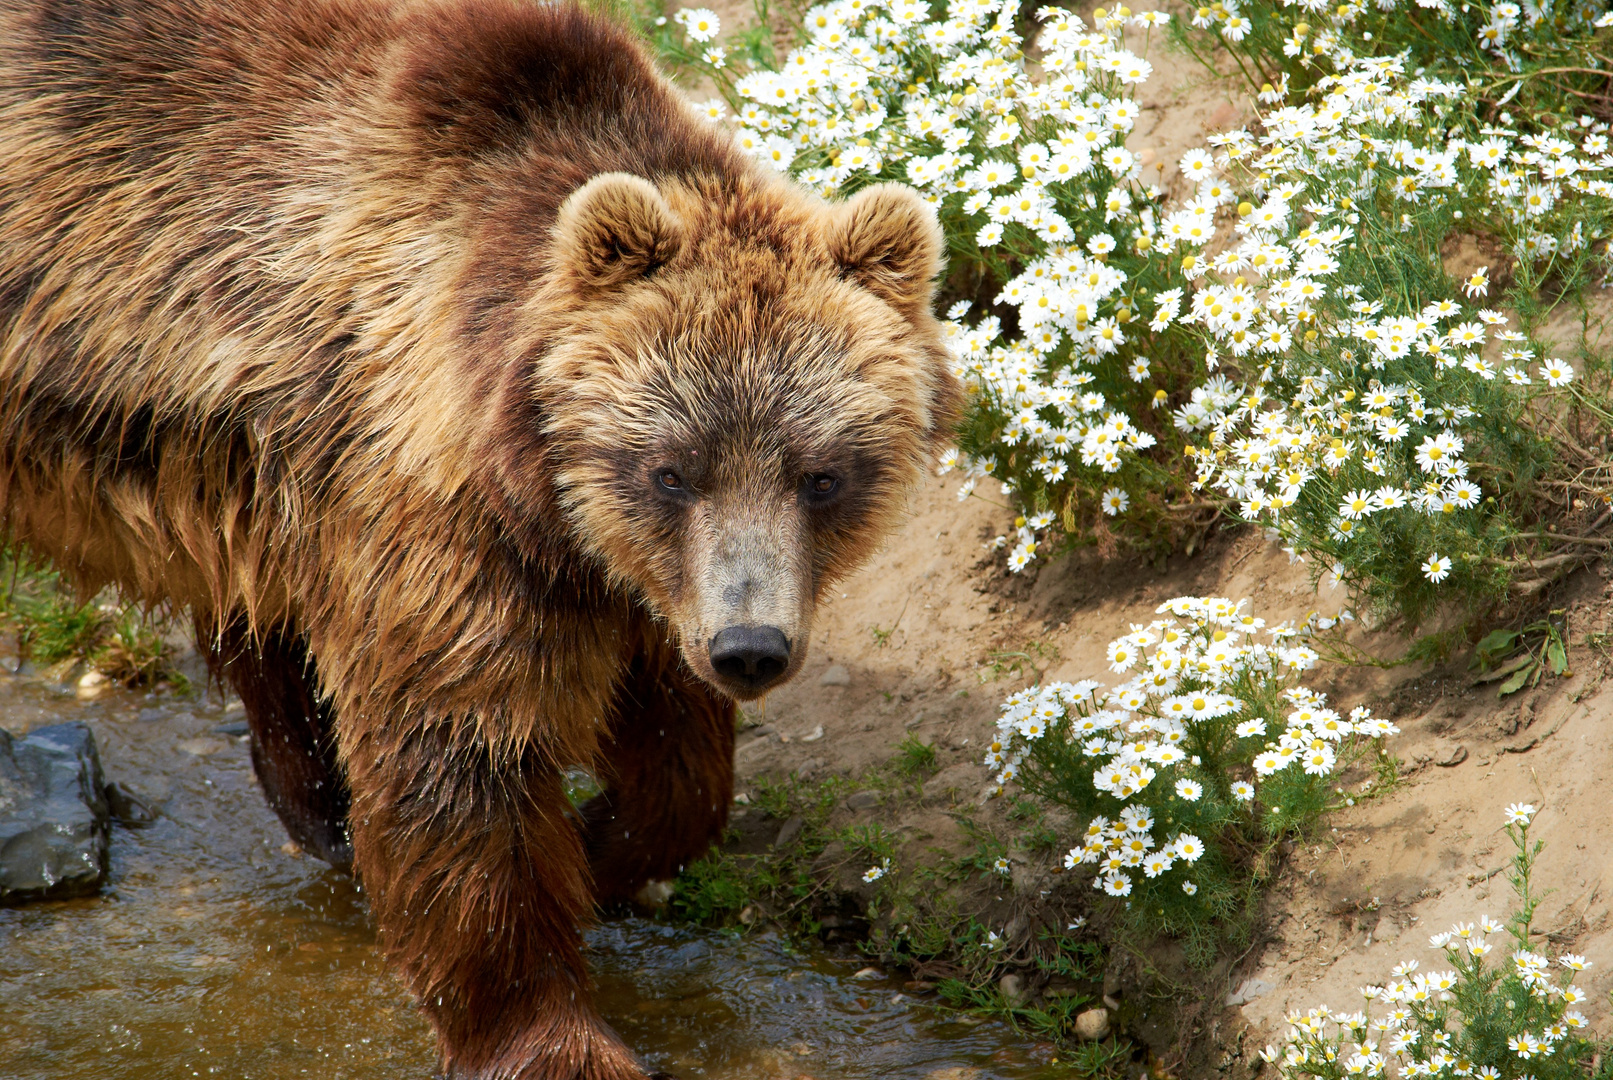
[791,829]
[151,714]
[1013,990]
[863,800]
[837,675]
[54,816]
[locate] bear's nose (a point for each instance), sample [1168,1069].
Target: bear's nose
[754,656]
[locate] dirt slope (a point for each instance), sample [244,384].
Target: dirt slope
[1390,871]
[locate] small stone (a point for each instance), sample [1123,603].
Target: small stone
[292,848]
[202,746]
[1247,991]
[1451,756]
[863,800]
[837,675]
[234,729]
[918,718]
[150,715]
[869,973]
[808,768]
[1013,989]
[654,894]
[762,730]
[814,735]
[92,685]
[1092,1024]
[742,799]
[792,829]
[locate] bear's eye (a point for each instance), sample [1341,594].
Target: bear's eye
[669,480]
[821,485]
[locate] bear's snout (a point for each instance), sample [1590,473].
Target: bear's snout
[755,657]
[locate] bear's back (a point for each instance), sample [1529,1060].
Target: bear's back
[215,205]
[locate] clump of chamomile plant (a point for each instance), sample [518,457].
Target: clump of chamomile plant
[1502,1009]
[1188,773]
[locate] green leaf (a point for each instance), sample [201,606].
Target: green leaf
[1496,644]
[1505,669]
[1557,657]
[1521,676]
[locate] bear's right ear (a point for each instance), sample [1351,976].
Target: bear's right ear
[613,229]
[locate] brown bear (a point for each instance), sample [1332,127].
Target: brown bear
[488,410]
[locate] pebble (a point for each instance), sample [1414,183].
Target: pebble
[814,735]
[837,675]
[148,715]
[1013,990]
[92,685]
[655,894]
[1091,1025]
[201,747]
[869,973]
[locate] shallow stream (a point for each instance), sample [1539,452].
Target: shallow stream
[213,952]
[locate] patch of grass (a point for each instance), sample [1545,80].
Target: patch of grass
[914,758]
[56,629]
[778,883]
[1031,662]
[52,626]
[1038,834]
[135,654]
[917,918]
[989,849]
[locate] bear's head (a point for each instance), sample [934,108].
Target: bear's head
[743,394]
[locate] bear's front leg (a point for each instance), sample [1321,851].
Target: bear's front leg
[478,882]
[667,766]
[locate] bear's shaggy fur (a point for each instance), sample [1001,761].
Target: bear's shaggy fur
[466,387]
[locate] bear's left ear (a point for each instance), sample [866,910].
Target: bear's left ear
[613,229]
[889,240]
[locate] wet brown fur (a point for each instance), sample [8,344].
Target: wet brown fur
[295,333]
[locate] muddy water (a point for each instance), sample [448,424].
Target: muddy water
[213,952]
